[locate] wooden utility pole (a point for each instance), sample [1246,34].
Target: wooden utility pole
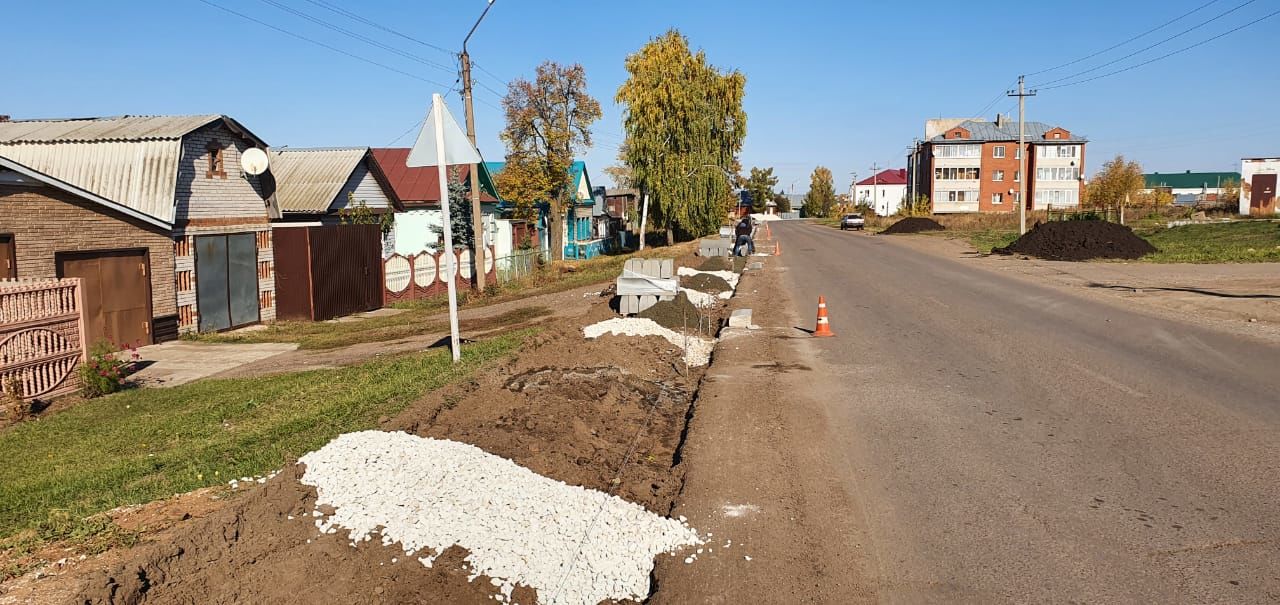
[1022,95]
[478,251]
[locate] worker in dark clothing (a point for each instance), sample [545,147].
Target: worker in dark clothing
[743,234]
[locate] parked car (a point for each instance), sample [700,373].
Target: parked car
[852,221]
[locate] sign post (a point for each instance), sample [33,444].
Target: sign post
[441,143]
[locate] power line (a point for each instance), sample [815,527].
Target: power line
[360,37]
[350,15]
[496,77]
[994,100]
[1135,38]
[321,44]
[415,126]
[1166,55]
[1047,85]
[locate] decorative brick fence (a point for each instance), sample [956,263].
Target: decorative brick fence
[422,275]
[41,336]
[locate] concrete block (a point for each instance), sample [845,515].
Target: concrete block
[740,318]
[667,268]
[646,302]
[710,247]
[756,265]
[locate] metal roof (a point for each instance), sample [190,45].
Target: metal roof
[1189,180]
[982,130]
[418,187]
[142,175]
[892,176]
[118,128]
[129,160]
[6,163]
[308,180]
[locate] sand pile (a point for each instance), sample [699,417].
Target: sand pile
[913,224]
[1079,240]
[680,313]
[706,282]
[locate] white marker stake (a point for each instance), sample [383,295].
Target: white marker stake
[451,261]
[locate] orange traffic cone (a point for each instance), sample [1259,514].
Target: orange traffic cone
[824,326]
[767,231]
[777,248]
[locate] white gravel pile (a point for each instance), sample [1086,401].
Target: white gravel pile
[702,300]
[697,350]
[571,544]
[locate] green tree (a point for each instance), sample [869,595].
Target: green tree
[759,187]
[358,212]
[684,127]
[783,202]
[821,199]
[548,121]
[1117,180]
[459,213]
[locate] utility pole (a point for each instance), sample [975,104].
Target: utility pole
[875,187]
[1022,95]
[479,251]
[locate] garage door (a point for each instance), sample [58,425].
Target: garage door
[117,294]
[226,280]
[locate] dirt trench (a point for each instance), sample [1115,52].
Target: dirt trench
[607,414]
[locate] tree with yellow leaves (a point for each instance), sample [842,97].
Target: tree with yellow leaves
[684,126]
[548,121]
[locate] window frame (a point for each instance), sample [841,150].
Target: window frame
[998,152]
[217,167]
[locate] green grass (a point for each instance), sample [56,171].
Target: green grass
[1238,242]
[984,240]
[423,316]
[144,444]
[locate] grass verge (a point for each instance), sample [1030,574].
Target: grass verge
[424,316]
[144,444]
[1237,242]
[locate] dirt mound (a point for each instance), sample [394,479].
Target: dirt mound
[606,414]
[705,282]
[725,263]
[677,314]
[913,224]
[1079,240]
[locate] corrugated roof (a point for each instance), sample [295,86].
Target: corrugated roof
[27,171]
[421,186]
[142,175]
[1190,180]
[982,130]
[892,176]
[118,128]
[130,160]
[308,180]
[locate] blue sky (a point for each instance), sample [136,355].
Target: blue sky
[841,84]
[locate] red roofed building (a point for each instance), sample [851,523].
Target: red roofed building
[884,191]
[417,226]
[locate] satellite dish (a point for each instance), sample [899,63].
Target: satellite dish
[254,161]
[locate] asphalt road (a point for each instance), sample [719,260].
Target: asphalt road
[1006,442]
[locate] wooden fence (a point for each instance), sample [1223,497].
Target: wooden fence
[41,336]
[422,275]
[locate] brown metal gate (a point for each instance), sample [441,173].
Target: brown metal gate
[326,272]
[8,257]
[117,294]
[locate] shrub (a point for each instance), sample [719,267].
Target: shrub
[103,372]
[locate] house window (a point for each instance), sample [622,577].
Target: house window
[955,174]
[958,196]
[997,198]
[1017,153]
[1058,151]
[997,175]
[958,151]
[1058,173]
[1017,176]
[998,151]
[1057,135]
[217,164]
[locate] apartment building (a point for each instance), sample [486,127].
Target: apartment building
[967,165]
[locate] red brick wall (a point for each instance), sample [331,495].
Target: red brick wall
[991,164]
[45,221]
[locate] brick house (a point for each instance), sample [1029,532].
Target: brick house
[154,204]
[973,165]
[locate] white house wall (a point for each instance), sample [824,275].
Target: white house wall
[886,200]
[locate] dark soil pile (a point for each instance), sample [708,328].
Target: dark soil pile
[678,314]
[725,263]
[705,282]
[913,224]
[1079,240]
[572,417]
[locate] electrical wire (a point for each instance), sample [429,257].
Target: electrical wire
[350,15]
[360,37]
[495,77]
[1048,85]
[321,44]
[1133,39]
[415,126]
[1166,55]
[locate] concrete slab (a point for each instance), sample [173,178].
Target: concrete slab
[740,318]
[174,363]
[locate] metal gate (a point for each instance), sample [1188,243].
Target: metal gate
[116,294]
[226,280]
[326,272]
